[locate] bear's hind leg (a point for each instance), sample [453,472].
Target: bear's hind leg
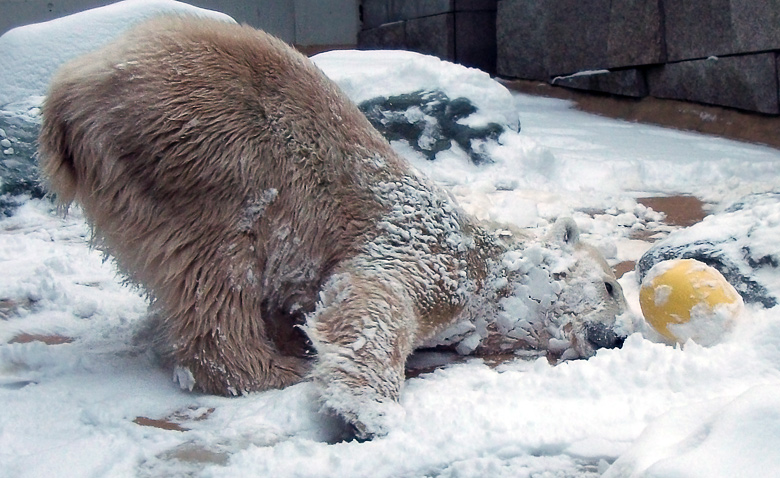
[224,365]
[363,330]
[220,345]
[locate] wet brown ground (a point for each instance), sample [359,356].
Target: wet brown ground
[47,339]
[174,421]
[679,211]
[725,122]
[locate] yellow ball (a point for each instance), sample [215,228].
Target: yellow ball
[686,299]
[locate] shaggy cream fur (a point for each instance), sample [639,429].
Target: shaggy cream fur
[265,217]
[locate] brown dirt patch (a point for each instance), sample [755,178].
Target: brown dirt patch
[8,307]
[174,421]
[682,211]
[161,424]
[47,339]
[622,267]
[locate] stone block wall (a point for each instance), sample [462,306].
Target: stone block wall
[463,31]
[721,52]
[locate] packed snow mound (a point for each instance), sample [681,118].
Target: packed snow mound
[29,55]
[702,441]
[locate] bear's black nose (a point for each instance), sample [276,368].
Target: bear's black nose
[603,337]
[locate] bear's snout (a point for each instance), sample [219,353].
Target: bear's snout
[601,336]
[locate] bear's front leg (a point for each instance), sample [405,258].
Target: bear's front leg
[363,330]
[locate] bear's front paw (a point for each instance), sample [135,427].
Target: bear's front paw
[378,422]
[366,412]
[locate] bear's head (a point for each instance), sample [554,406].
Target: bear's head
[555,296]
[589,311]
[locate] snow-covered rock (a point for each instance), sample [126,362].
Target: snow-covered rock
[18,167]
[29,55]
[430,122]
[429,104]
[740,241]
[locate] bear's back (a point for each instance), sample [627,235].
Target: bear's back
[213,93]
[186,130]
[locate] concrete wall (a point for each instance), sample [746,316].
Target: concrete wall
[302,22]
[463,31]
[721,52]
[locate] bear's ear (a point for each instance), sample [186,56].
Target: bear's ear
[565,231]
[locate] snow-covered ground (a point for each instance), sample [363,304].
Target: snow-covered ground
[99,405]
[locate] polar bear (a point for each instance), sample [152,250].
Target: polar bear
[279,236]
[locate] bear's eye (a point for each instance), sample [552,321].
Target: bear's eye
[610,289]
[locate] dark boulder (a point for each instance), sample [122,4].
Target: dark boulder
[738,242]
[429,121]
